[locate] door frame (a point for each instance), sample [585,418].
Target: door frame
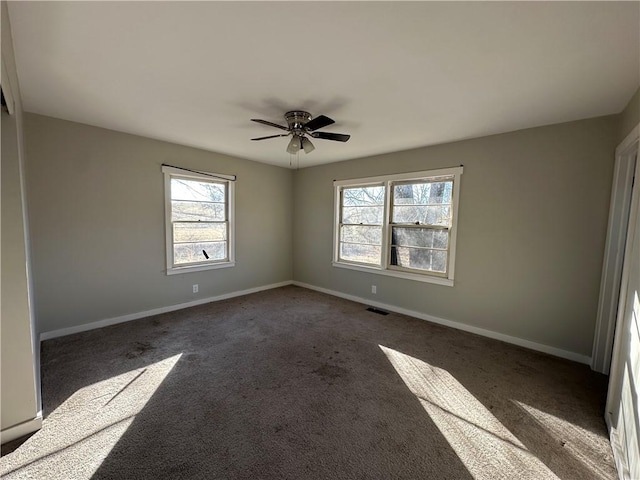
[614,256]
[619,361]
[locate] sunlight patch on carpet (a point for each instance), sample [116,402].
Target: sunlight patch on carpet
[485,446]
[577,441]
[91,422]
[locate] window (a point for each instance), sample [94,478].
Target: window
[361,224]
[199,220]
[399,225]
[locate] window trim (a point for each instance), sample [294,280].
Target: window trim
[385,268]
[171,172]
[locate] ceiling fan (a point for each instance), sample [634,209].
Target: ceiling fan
[300,125]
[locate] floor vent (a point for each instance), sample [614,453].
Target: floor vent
[377,310]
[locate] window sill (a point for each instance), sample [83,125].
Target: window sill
[198,268]
[392,273]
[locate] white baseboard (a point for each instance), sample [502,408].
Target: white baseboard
[156,311]
[21,429]
[558,352]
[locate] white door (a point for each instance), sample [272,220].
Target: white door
[623,412]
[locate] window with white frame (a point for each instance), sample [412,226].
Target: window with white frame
[401,225]
[199,220]
[361,219]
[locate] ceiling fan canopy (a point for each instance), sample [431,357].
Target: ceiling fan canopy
[300,125]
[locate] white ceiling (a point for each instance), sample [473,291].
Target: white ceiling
[395,75]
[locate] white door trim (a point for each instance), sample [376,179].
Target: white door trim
[614,252]
[618,361]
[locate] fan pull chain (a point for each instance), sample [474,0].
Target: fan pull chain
[297,162]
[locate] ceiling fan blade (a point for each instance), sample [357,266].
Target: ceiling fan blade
[319,122]
[271,124]
[338,137]
[271,136]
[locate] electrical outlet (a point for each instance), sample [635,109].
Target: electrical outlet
[195,288]
[374,289]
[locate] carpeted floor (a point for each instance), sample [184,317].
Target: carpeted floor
[294,384]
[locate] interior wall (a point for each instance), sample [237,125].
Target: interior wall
[531,231]
[629,117]
[97,222]
[18,360]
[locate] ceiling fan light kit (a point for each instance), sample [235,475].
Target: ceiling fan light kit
[301,124]
[307,145]
[294,145]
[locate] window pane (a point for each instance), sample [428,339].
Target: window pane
[366,215]
[194,211]
[420,259]
[434,215]
[195,190]
[423,193]
[361,196]
[193,252]
[199,232]
[361,234]
[419,237]
[354,252]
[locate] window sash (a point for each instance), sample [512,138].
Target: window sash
[341,225]
[421,271]
[174,263]
[433,180]
[427,225]
[342,242]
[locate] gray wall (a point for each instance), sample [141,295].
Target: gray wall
[531,231]
[97,223]
[629,117]
[18,376]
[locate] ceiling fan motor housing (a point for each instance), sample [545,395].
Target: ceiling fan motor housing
[296,120]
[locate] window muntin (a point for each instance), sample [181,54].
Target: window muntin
[416,236]
[199,221]
[361,219]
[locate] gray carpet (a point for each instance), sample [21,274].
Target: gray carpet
[294,384]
